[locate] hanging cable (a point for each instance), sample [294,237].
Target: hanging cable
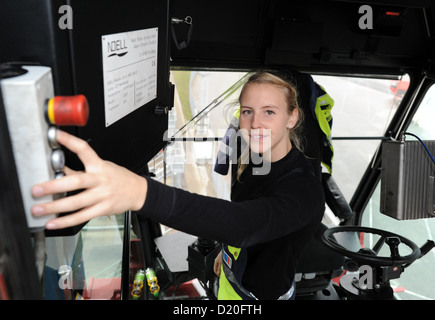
[424,145]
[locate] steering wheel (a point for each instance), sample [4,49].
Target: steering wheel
[369,256]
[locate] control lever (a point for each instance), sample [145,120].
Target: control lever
[428,246]
[393,243]
[424,249]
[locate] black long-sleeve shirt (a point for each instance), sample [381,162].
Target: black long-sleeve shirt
[270,217]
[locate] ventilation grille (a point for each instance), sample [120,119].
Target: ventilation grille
[407,180]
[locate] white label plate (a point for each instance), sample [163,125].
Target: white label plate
[129,71]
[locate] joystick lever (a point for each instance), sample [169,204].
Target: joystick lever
[428,246]
[393,243]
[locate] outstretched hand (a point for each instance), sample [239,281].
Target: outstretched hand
[109,189]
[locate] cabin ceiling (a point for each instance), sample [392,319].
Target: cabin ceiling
[318,35]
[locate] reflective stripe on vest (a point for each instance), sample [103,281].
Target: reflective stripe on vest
[226,291]
[230,287]
[233,267]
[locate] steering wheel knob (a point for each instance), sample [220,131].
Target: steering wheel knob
[393,243]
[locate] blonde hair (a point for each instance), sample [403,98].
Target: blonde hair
[291,97]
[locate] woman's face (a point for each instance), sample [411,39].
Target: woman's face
[265,120]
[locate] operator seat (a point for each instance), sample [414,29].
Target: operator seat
[318,264]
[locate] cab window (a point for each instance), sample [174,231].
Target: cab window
[362,110]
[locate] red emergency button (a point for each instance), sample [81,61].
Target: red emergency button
[68,110]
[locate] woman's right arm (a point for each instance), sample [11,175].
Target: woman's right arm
[109,189]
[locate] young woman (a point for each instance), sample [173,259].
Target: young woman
[265,227]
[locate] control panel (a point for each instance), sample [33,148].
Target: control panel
[33,114]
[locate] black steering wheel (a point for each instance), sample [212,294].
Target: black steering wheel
[369,256]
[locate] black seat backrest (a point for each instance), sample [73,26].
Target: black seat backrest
[317,256]
[311,132]
[313,140]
